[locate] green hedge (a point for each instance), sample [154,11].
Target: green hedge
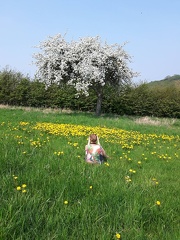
[142,100]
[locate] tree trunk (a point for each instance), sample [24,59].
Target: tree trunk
[99,103]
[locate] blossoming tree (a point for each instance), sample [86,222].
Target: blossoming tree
[85,64]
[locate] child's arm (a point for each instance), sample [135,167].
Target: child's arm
[104,153]
[86,147]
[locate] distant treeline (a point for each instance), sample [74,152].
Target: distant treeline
[141,100]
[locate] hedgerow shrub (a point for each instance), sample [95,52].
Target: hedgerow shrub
[142,100]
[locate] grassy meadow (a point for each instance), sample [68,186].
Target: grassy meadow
[49,192]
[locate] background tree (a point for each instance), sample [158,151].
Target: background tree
[84,64]
[10,80]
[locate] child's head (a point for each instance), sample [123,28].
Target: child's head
[93,138]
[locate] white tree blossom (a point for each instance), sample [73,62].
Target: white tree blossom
[83,64]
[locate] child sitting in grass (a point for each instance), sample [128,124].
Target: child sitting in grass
[94,153]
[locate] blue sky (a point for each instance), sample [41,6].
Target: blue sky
[151,28]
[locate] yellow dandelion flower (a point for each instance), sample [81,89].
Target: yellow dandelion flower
[139,162]
[128,179]
[90,187]
[118,236]
[24,191]
[24,186]
[18,188]
[15,177]
[158,203]
[66,202]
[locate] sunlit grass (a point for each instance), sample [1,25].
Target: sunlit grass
[49,192]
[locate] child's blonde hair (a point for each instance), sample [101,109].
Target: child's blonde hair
[93,138]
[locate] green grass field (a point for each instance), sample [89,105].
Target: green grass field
[49,192]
